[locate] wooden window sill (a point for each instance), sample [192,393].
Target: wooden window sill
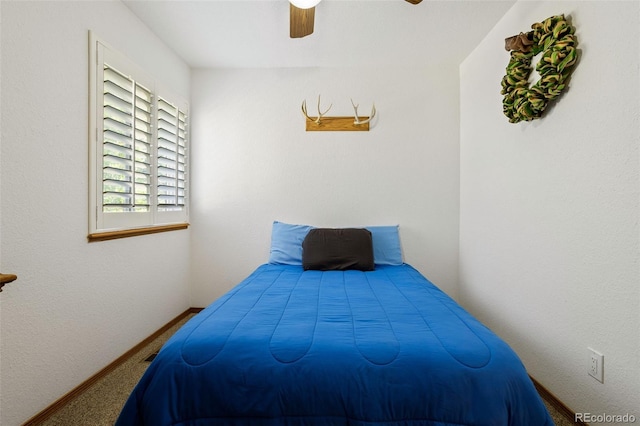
[112,235]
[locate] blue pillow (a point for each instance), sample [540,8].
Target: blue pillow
[386,245]
[286,243]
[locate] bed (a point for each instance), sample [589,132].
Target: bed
[375,345]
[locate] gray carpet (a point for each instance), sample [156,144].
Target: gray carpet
[102,402]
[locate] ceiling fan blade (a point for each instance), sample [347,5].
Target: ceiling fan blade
[300,21]
[414,1]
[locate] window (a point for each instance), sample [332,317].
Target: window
[139,150]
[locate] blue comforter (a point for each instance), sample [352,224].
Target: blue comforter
[294,347]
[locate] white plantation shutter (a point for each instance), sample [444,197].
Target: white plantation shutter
[172,156]
[139,175]
[127,135]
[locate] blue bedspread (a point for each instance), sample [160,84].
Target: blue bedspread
[379,348]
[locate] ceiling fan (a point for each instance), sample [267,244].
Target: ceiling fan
[302,14]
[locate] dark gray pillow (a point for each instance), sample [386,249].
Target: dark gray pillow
[328,249]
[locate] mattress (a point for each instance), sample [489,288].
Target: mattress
[293,347]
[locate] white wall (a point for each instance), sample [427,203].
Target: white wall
[254,163]
[549,237]
[68,316]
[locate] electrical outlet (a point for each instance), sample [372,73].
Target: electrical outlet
[596,365]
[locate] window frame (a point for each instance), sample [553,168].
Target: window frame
[109,225]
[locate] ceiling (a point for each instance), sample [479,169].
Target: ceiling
[348,33]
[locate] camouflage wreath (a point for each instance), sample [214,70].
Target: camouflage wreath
[555,38]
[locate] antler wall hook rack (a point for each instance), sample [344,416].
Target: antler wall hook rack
[322,123]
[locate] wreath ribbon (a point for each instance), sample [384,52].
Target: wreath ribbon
[556,39]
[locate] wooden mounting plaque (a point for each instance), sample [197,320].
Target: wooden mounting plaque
[328,124]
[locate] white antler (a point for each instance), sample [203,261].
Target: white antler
[320,114]
[357,119]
